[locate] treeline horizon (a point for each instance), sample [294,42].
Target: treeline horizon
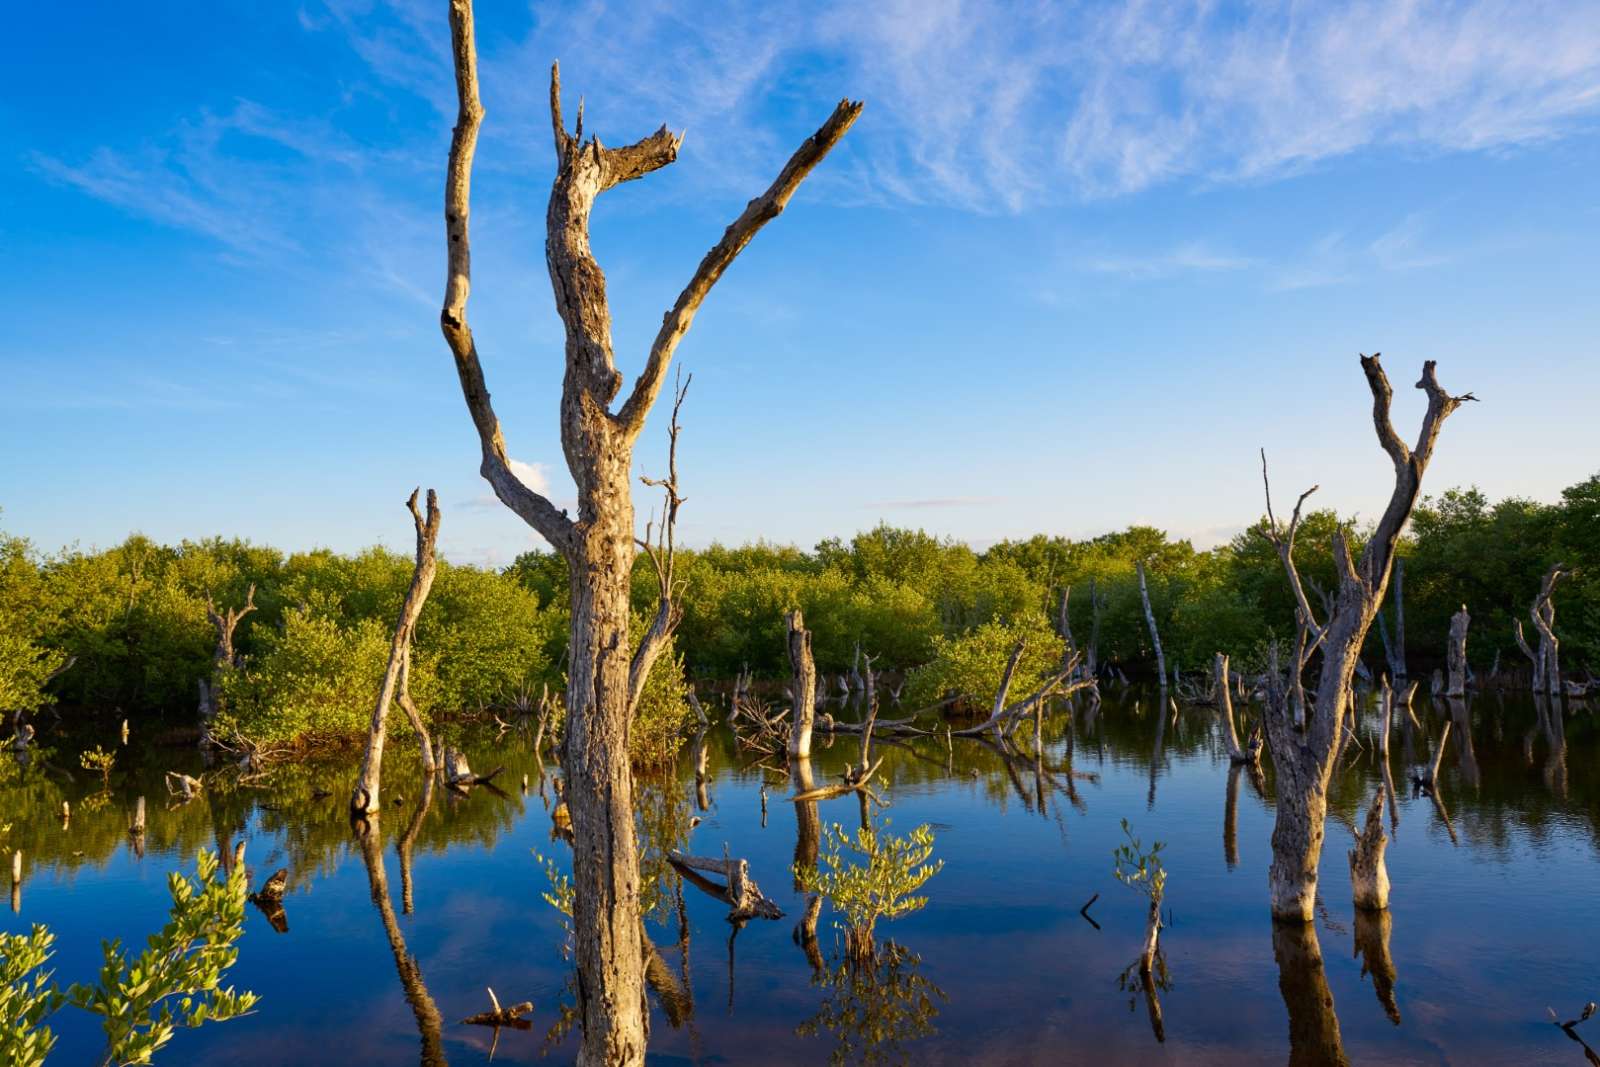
[133,618]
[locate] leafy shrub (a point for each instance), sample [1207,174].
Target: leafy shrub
[973,664]
[176,981]
[881,888]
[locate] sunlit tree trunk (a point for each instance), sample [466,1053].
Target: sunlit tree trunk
[1304,755]
[606,675]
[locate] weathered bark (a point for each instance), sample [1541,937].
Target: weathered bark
[1548,666]
[364,798]
[740,891]
[1224,698]
[598,444]
[1150,621]
[1314,1039]
[1304,757]
[804,686]
[1369,876]
[1457,653]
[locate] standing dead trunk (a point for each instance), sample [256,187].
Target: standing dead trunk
[1069,651]
[396,677]
[1091,658]
[1457,653]
[224,659]
[1237,754]
[598,441]
[1548,665]
[1304,756]
[1150,621]
[1369,876]
[1395,650]
[804,686]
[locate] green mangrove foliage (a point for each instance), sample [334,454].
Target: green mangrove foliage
[142,1000]
[883,887]
[131,619]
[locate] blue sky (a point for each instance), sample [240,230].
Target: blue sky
[1072,267]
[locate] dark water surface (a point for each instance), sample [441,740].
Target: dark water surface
[1495,910]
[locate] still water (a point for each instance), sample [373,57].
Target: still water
[1495,911]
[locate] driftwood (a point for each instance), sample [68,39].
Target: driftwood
[396,676]
[458,773]
[498,1016]
[269,899]
[183,786]
[739,890]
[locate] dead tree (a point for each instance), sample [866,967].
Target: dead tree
[396,686]
[1369,876]
[598,544]
[1395,651]
[1150,621]
[1069,650]
[1247,755]
[1457,653]
[223,659]
[804,687]
[1091,655]
[1304,755]
[1546,662]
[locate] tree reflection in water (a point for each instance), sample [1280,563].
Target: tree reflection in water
[1314,1039]
[369,837]
[874,1008]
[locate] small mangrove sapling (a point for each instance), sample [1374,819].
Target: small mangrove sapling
[882,888]
[1143,872]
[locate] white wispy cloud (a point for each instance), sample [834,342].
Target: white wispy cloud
[1187,258]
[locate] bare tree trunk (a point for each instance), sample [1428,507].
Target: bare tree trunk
[1457,657]
[222,660]
[1548,669]
[396,677]
[1150,621]
[1369,876]
[1304,756]
[598,442]
[804,686]
[1237,754]
[1069,652]
[1091,661]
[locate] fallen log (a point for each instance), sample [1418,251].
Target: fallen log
[740,892]
[499,1016]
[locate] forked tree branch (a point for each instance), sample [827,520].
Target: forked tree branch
[757,213]
[663,555]
[532,507]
